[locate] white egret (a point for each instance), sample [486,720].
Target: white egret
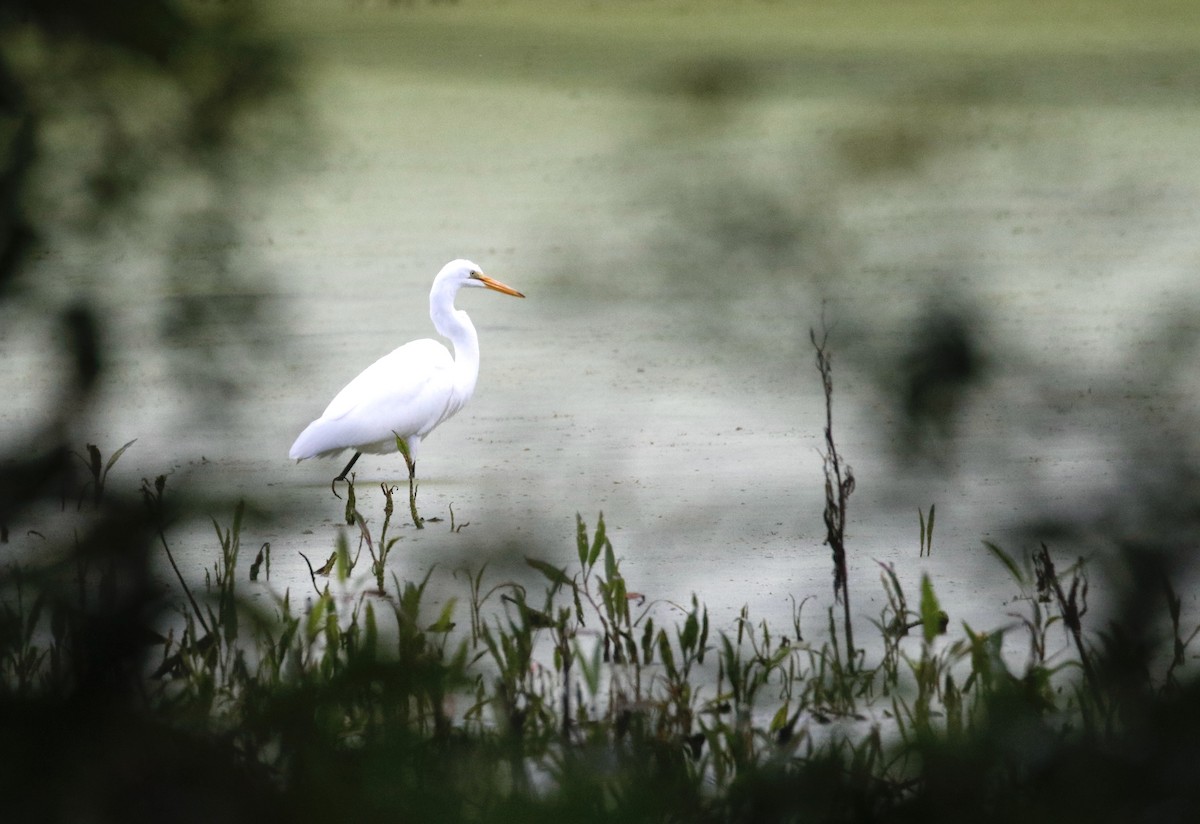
[407,393]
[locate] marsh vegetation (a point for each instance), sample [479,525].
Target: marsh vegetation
[576,697]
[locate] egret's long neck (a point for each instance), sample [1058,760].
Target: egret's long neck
[456,325]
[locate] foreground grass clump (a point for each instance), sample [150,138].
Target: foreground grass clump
[574,700]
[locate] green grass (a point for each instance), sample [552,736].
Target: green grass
[575,699]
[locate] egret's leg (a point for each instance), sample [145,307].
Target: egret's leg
[345,472]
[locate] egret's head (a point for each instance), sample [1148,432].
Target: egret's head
[465,273]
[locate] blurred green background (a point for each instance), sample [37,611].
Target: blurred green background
[214,214]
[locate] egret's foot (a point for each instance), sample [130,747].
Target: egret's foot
[342,477]
[349,485]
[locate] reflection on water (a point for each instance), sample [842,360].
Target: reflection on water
[999,237]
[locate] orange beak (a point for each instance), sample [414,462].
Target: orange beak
[497,285]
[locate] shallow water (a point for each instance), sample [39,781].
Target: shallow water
[679,217]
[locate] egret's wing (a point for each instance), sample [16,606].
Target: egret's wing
[406,391]
[397,379]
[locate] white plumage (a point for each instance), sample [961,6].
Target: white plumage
[411,390]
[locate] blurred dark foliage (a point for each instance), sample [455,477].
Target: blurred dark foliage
[152,29]
[81,743]
[943,363]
